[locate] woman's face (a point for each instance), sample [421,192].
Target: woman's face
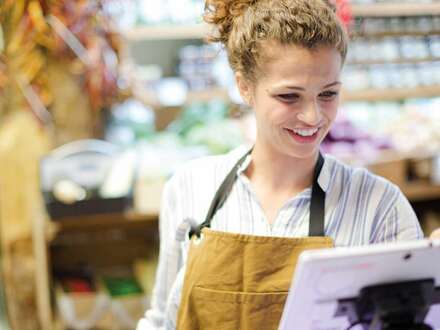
[296,98]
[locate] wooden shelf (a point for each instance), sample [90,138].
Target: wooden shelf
[420,191]
[396,9]
[208,95]
[193,96]
[384,34]
[392,94]
[104,220]
[399,61]
[171,32]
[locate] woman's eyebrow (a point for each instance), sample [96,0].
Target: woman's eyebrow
[333,84]
[303,89]
[287,87]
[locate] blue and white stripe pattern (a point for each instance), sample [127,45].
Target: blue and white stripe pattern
[360,209]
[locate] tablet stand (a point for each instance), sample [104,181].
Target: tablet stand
[394,306]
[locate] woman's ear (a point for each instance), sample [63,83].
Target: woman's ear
[245,88]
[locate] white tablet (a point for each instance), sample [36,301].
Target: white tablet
[323,277]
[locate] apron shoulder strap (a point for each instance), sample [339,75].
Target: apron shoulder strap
[317,203]
[220,196]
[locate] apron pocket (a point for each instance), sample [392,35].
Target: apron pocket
[237,310]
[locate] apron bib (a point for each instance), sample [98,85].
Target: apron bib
[237,281]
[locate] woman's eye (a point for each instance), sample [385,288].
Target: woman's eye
[328,96]
[288,97]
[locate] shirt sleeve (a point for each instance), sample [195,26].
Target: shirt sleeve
[174,301]
[154,317]
[400,222]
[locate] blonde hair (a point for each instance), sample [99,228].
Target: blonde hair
[241,26]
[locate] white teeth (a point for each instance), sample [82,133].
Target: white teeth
[305,132]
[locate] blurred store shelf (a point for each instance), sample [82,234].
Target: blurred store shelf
[392,94]
[96,222]
[206,95]
[398,61]
[396,9]
[386,34]
[420,191]
[171,32]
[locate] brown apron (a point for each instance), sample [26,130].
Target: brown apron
[237,281]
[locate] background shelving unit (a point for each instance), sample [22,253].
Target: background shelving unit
[105,241]
[398,61]
[420,194]
[396,9]
[197,31]
[394,94]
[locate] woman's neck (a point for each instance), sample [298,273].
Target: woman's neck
[279,172]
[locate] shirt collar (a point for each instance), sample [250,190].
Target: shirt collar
[323,179]
[245,164]
[324,176]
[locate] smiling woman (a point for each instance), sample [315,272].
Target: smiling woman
[254,210]
[296,98]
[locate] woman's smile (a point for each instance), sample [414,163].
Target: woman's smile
[303,136]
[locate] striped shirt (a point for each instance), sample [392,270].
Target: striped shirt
[360,208]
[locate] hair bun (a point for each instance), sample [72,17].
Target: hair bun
[332,4]
[222,13]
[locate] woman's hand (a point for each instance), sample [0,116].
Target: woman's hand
[435,234]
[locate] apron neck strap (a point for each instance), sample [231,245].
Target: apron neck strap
[220,196]
[317,203]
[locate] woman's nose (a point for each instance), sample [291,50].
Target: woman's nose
[310,114]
